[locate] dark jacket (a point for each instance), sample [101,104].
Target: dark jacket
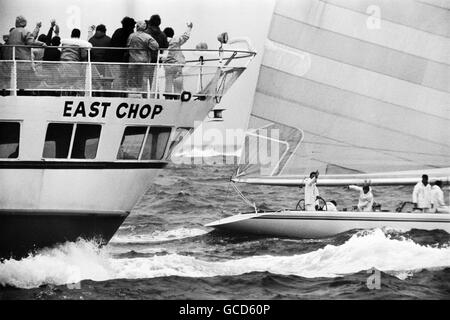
[100,40]
[52,54]
[119,40]
[160,37]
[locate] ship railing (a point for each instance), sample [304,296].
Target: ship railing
[205,74]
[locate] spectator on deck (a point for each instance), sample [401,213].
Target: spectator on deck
[52,54]
[38,53]
[3,48]
[146,44]
[365,201]
[20,36]
[156,33]
[437,199]
[74,49]
[119,40]
[100,39]
[422,195]
[174,74]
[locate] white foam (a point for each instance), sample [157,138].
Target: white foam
[159,236]
[68,263]
[77,261]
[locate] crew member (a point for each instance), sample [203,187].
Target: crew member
[311,191]
[331,205]
[365,201]
[437,199]
[421,196]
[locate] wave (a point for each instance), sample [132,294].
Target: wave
[73,262]
[159,236]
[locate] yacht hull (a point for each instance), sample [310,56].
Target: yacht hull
[304,224]
[24,231]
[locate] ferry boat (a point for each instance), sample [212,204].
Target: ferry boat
[80,142]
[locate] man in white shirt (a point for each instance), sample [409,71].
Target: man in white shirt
[437,199]
[365,201]
[331,205]
[421,196]
[75,49]
[174,73]
[311,191]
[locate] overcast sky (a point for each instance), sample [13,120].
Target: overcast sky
[240,18]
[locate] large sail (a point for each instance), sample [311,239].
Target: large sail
[357,89]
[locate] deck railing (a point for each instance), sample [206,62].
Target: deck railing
[206,73]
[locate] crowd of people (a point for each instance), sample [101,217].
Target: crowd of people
[145,40]
[426,198]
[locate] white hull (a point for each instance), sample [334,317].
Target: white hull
[304,224]
[68,189]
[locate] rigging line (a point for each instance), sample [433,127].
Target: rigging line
[243,197]
[226,200]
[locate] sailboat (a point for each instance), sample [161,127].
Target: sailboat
[359,90]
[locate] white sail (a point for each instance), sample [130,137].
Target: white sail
[357,89]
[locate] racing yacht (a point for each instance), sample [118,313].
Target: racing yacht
[358,90]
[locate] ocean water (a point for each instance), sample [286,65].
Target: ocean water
[163,251]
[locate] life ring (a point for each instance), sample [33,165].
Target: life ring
[186,96]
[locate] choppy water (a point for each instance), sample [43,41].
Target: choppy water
[162,251]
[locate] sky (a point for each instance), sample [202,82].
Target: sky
[240,18]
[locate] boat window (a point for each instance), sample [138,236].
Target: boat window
[86,140]
[156,143]
[57,140]
[9,140]
[131,145]
[180,134]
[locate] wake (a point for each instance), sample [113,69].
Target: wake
[73,262]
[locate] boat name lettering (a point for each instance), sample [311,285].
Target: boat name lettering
[95,109]
[134,110]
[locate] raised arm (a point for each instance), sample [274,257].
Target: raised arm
[35,32]
[30,40]
[90,32]
[356,188]
[185,36]
[48,39]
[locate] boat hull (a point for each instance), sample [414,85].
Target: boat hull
[24,231]
[303,224]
